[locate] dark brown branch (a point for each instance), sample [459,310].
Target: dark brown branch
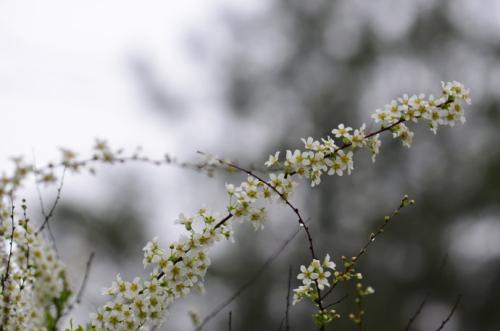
[230,317]
[345,296]
[447,319]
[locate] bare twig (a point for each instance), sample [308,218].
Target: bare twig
[48,216]
[42,205]
[247,284]
[230,317]
[85,278]
[426,297]
[78,298]
[345,296]
[447,319]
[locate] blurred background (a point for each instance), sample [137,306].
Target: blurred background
[242,79]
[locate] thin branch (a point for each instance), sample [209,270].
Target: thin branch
[204,166]
[54,205]
[247,284]
[426,297]
[447,319]
[42,205]
[230,317]
[345,296]
[78,298]
[85,278]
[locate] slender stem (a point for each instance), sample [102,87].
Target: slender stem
[54,205]
[447,319]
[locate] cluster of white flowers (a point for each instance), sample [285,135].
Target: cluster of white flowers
[34,282]
[314,277]
[242,199]
[335,157]
[174,274]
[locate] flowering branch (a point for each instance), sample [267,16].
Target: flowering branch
[181,267]
[6,275]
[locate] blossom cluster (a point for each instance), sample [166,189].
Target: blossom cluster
[314,277]
[243,198]
[175,272]
[334,155]
[35,286]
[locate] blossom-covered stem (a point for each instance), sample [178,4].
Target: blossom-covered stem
[300,220]
[25,225]
[7,269]
[349,144]
[287,202]
[381,130]
[219,224]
